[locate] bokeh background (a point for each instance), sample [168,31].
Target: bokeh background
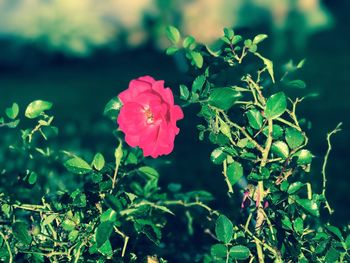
[79,54]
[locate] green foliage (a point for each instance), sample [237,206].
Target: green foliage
[224,229]
[276,105]
[61,203]
[78,207]
[36,108]
[261,144]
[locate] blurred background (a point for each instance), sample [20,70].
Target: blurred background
[79,54]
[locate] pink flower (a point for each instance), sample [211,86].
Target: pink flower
[148,116]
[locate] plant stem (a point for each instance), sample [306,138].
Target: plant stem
[7,246]
[125,237]
[288,123]
[229,185]
[78,252]
[242,130]
[266,151]
[33,208]
[329,135]
[248,221]
[266,246]
[260,252]
[197,203]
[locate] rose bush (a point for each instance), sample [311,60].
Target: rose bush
[148,116]
[61,202]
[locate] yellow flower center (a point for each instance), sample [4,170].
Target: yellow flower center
[149,116]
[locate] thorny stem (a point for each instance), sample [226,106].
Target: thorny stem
[288,123]
[329,135]
[269,223]
[260,213]
[197,203]
[263,244]
[242,130]
[253,84]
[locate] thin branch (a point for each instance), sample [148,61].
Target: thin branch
[7,246]
[224,172]
[329,135]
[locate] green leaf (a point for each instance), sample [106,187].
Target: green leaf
[218,251]
[21,232]
[236,39]
[184,92]
[229,33]
[259,38]
[98,162]
[73,235]
[248,43]
[347,242]
[225,128]
[149,172]
[299,84]
[294,138]
[118,154]
[268,64]
[112,108]
[234,172]
[286,223]
[301,63]
[109,215]
[304,157]
[106,248]
[49,219]
[68,224]
[239,252]
[295,187]
[299,225]
[332,255]
[223,98]
[224,229]
[198,84]
[171,50]
[277,131]
[309,206]
[335,231]
[189,42]
[77,165]
[197,59]
[113,202]
[255,119]
[281,149]
[6,208]
[173,34]
[103,232]
[35,108]
[13,111]
[12,124]
[218,155]
[276,105]
[321,246]
[32,178]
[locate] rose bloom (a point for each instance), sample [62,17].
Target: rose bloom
[148,116]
